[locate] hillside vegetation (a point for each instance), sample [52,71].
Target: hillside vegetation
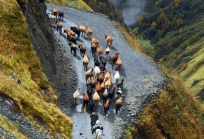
[33,95]
[72,3]
[175,28]
[175,113]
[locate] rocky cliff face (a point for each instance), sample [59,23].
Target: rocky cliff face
[54,64]
[40,33]
[49,50]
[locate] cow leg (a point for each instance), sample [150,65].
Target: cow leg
[116,111]
[60,31]
[74,52]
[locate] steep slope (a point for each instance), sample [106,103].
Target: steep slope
[106,7]
[27,102]
[176,30]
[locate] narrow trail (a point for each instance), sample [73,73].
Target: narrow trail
[142,76]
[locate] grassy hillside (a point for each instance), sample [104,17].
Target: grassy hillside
[175,28]
[17,55]
[72,3]
[175,113]
[106,7]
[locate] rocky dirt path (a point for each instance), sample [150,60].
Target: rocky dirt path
[142,76]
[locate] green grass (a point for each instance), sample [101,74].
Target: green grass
[176,45]
[188,63]
[195,69]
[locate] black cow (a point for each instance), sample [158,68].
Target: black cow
[111,92]
[89,90]
[60,15]
[76,30]
[96,60]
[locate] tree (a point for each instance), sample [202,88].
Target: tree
[153,25]
[176,2]
[173,23]
[140,18]
[179,22]
[161,17]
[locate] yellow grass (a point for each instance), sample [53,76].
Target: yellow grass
[83,5]
[11,128]
[130,38]
[174,113]
[73,3]
[17,55]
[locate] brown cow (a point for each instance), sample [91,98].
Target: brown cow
[114,58]
[119,103]
[98,87]
[89,73]
[54,12]
[82,29]
[69,32]
[89,32]
[109,39]
[106,106]
[76,96]
[94,40]
[118,63]
[85,61]
[59,26]
[100,77]
[96,98]
[82,49]
[85,99]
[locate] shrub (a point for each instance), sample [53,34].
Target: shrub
[184,66]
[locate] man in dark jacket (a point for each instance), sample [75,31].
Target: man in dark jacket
[94,118]
[97,126]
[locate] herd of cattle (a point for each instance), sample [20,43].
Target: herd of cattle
[98,79]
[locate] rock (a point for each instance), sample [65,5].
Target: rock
[8,103]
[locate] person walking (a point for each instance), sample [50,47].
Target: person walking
[94,118]
[97,126]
